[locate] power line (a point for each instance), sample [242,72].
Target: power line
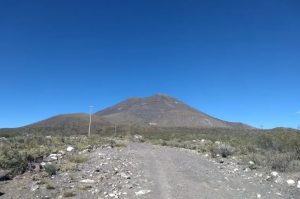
[90,123]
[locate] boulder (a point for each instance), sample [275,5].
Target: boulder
[70,149]
[290,182]
[4,175]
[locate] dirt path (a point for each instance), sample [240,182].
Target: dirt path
[144,171]
[181,174]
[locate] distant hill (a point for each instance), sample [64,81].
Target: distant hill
[162,110]
[155,111]
[67,124]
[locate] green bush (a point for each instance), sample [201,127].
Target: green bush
[279,161]
[77,159]
[50,169]
[294,166]
[222,149]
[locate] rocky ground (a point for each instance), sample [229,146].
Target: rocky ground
[147,171]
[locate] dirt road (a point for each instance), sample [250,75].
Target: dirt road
[180,174]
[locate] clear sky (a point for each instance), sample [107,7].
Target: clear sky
[236,60]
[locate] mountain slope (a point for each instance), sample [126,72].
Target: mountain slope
[78,120]
[162,110]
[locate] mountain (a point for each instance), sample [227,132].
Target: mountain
[162,110]
[78,121]
[158,110]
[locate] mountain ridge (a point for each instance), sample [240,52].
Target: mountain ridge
[157,110]
[162,110]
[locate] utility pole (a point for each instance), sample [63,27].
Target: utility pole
[91,108]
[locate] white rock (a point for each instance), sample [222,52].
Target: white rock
[279,180]
[124,175]
[48,137]
[247,169]
[62,152]
[298,184]
[258,195]
[53,156]
[34,187]
[89,181]
[268,177]
[142,192]
[251,162]
[290,182]
[203,140]
[69,149]
[43,164]
[217,142]
[274,173]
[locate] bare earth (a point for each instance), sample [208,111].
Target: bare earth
[178,174]
[154,172]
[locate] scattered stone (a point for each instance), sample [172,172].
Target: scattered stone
[279,180]
[268,178]
[290,182]
[274,173]
[251,162]
[61,152]
[69,149]
[142,192]
[124,175]
[298,184]
[88,181]
[247,169]
[34,187]
[258,195]
[137,138]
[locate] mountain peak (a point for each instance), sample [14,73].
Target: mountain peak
[162,110]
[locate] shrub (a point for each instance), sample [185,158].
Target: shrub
[257,158]
[279,161]
[50,169]
[70,166]
[50,187]
[68,194]
[77,159]
[294,166]
[222,149]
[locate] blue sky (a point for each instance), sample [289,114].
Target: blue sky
[235,60]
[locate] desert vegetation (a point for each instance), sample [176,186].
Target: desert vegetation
[18,153]
[277,149]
